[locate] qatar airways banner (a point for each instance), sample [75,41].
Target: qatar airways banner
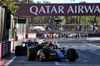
[77,9]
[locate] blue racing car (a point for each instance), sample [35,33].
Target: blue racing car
[52,52]
[22,49]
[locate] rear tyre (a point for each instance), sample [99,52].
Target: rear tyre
[31,54]
[18,51]
[63,51]
[71,55]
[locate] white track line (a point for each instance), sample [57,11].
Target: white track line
[56,63]
[10,61]
[94,52]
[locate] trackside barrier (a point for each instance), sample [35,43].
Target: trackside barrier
[30,35]
[27,36]
[19,37]
[3,49]
[0,50]
[94,35]
[23,36]
[12,45]
[6,48]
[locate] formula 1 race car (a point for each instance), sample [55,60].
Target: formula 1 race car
[51,51]
[57,54]
[22,49]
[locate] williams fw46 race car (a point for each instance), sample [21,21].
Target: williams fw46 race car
[52,52]
[22,49]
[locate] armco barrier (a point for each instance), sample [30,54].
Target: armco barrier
[0,50]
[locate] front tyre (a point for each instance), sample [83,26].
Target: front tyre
[31,54]
[72,54]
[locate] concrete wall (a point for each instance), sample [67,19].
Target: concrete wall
[11,28]
[5,33]
[6,45]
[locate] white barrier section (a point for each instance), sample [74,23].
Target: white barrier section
[30,35]
[19,37]
[12,45]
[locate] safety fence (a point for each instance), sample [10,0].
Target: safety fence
[6,48]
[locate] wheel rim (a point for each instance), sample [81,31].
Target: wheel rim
[28,54]
[40,56]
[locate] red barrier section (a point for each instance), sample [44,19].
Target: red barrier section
[0,50]
[26,36]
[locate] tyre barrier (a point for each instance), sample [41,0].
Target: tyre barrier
[6,48]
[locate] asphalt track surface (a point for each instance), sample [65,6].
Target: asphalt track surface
[89,54]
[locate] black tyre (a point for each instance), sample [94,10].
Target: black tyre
[72,54]
[31,54]
[72,60]
[63,51]
[18,51]
[46,52]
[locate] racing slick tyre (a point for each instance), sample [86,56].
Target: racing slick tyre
[63,51]
[18,51]
[72,54]
[45,52]
[31,54]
